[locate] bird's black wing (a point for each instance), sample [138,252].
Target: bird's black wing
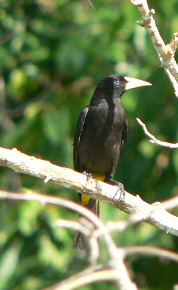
[124,136]
[78,133]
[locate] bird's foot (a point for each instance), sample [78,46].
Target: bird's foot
[120,189]
[88,176]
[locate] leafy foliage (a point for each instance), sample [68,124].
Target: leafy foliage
[52,54]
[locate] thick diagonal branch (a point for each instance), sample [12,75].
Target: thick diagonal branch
[152,214]
[165,52]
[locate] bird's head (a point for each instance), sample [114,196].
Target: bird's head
[114,86]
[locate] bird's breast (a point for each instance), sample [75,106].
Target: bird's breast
[101,137]
[103,120]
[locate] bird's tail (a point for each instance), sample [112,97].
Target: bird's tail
[92,204]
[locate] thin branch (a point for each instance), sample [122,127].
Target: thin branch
[73,225]
[91,4]
[116,261]
[6,122]
[96,273]
[153,214]
[153,138]
[122,225]
[111,274]
[130,250]
[170,203]
[165,52]
[153,251]
[87,231]
[84,278]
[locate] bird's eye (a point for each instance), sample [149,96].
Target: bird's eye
[116,82]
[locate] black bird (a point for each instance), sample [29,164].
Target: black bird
[101,134]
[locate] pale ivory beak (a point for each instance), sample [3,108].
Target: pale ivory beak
[135,83]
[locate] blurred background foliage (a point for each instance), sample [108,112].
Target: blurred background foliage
[52,55]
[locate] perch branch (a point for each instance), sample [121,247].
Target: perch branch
[154,214]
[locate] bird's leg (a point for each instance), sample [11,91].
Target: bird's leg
[88,176]
[120,188]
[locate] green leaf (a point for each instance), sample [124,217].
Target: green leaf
[28,214]
[56,125]
[8,263]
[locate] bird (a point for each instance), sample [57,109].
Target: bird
[100,136]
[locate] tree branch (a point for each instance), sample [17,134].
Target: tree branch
[171,203]
[153,138]
[116,268]
[165,52]
[85,278]
[116,261]
[153,251]
[153,214]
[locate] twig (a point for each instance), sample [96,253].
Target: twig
[153,251]
[116,261]
[84,278]
[165,52]
[73,225]
[87,231]
[170,203]
[122,225]
[91,4]
[96,273]
[153,138]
